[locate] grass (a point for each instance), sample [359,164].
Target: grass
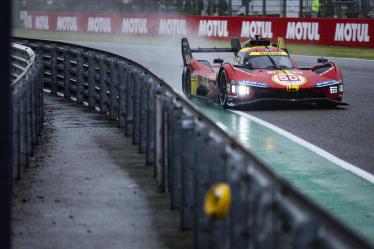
[301,49]
[334,51]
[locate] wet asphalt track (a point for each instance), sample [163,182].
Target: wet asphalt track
[347,133]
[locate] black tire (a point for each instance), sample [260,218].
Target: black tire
[222,97]
[186,83]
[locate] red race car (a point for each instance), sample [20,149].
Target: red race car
[262,72]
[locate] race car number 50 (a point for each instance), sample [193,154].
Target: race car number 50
[289,79]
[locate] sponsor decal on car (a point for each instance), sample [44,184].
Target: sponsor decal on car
[253,83]
[289,79]
[267,53]
[327,83]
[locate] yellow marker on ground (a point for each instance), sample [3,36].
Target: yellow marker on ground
[218,200]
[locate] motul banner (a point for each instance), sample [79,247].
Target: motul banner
[321,31]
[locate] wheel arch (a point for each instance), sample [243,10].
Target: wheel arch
[226,68]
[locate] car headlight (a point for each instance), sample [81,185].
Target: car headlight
[239,88]
[333,89]
[233,86]
[243,90]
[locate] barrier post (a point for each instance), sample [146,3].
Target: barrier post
[188,164]
[151,121]
[122,82]
[113,83]
[66,73]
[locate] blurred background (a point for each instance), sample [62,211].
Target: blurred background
[276,8]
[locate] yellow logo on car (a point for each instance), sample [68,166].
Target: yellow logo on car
[267,53]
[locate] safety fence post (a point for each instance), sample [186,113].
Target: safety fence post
[28,119]
[103,99]
[91,80]
[23,128]
[16,133]
[66,72]
[136,106]
[202,182]
[238,216]
[151,124]
[113,86]
[53,68]
[143,121]
[174,160]
[130,79]
[122,86]
[188,164]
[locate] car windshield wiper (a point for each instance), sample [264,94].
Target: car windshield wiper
[273,62]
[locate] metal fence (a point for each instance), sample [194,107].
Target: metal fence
[189,153]
[27,104]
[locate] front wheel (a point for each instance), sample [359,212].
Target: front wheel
[223,90]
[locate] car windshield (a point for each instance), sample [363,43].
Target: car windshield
[267,62]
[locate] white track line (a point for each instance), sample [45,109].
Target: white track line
[341,163]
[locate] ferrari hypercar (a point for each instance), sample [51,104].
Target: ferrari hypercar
[260,72]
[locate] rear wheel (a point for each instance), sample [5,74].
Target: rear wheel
[222,97]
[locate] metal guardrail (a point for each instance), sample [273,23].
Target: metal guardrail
[189,153]
[27,104]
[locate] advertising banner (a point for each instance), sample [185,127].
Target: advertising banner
[321,31]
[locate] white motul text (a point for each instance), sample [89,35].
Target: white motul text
[352,32]
[99,25]
[213,28]
[134,26]
[250,29]
[172,27]
[67,23]
[302,31]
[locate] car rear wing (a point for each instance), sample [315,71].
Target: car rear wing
[187,51]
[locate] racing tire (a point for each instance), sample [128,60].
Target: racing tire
[186,83]
[222,97]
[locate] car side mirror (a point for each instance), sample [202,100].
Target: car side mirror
[218,60]
[322,60]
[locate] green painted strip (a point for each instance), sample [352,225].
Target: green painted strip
[347,196]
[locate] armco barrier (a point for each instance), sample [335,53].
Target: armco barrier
[189,153]
[321,31]
[27,104]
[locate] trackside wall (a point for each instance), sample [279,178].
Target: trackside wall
[321,31]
